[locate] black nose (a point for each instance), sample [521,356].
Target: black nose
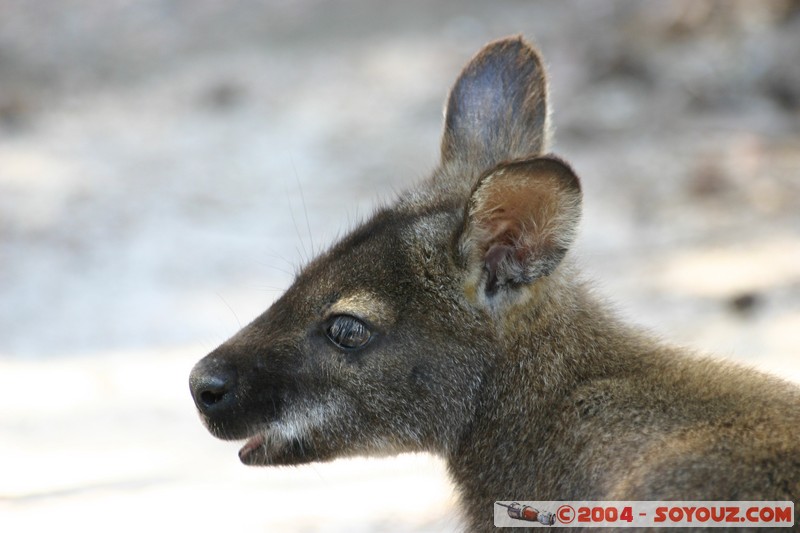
[213,386]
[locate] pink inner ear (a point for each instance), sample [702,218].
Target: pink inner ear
[525,215]
[494,260]
[509,214]
[495,255]
[501,229]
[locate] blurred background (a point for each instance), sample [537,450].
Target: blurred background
[166,166]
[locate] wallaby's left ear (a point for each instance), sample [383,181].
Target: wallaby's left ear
[520,222]
[497,110]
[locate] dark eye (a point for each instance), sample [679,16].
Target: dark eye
[347,332]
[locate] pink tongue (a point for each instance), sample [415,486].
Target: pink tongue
[251,446]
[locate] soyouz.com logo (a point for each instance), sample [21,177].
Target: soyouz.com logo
[643,514]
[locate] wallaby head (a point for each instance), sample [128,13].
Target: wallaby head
[451,322]
[381,344]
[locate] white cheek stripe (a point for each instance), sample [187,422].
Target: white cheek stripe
[299,423]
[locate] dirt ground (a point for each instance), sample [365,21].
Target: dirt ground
[165,166]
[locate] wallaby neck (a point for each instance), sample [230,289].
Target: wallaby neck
[546,355]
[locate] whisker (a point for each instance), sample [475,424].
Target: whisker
[289,273]
[302,252]
[305,209]
[274,255]
[239,322]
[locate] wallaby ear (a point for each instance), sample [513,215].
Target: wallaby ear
[520,222]
[497,109]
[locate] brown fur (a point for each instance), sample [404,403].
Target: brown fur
[484,346]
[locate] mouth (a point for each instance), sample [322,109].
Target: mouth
[254,450]
[268,449]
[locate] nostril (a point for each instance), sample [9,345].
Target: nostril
[213,387]
[209,398]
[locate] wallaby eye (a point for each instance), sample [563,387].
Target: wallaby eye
[348,333]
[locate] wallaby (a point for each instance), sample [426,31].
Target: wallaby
[454,322]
